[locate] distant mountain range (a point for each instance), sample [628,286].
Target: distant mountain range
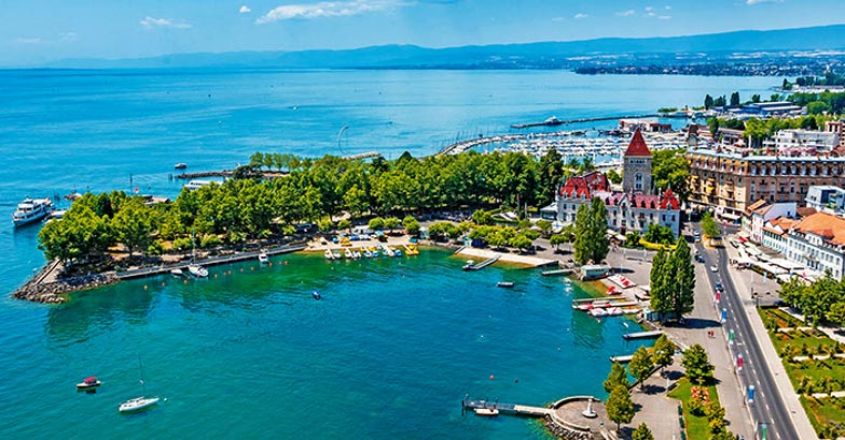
[743,45]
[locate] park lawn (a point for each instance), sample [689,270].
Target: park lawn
[821,412]
[696,427]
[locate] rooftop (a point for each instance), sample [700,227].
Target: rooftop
[638,147]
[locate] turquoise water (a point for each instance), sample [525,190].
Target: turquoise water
[388,353]
[392,349]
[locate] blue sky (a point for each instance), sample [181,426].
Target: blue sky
[34,31]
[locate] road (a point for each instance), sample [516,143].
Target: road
[768,407]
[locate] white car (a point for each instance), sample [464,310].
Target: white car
[713,268]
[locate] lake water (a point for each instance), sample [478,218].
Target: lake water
[395,345]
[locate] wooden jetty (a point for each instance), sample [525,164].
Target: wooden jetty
[623,359]
[557,272]
[481,265]
[213,261]
[506,408]
[643,335]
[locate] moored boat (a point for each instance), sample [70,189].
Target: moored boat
[31,210]
[487,412]
[328,254]
[89,383]
[505,284]
[137,404]
[316,295]
[263,258]
[197,271]
[177,272]
[180,166]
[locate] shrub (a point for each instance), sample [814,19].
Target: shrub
[210,240]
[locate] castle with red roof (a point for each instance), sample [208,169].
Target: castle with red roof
[633,208]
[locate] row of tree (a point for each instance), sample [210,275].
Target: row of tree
[820,302]
[672,281]
[249,207]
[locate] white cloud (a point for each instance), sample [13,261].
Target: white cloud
[152,23]
[558,19]
[326,9]
[649,8]
[668,8]
[580,15]
[68,36]
[664,17]
[757,2]
[244,9]
[627,13]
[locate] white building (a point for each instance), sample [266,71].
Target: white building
[819,141]
[818,242]
[826,198]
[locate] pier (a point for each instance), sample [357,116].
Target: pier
[212,261]
[481,265]
[643,335]
[557,272]
[506,408]
[581,120]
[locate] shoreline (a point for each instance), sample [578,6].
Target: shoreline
[48,287]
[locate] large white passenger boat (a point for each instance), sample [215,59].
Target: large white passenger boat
[32,210]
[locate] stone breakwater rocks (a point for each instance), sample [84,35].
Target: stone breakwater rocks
[54,292]
[567,433]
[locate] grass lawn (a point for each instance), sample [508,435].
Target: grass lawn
[822,412]
[696,426]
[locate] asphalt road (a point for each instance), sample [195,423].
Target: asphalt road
[768,407]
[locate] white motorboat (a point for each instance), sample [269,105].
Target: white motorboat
[177,272]
[329,255]
[263,258]
[180,166]
[137,404]
[347,254]
[197,271]
[89,383]
[336,255]
[31,210]
[486,412]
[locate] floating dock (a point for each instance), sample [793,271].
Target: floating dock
[557,272]
[481,265]
[506,408]
[643,335]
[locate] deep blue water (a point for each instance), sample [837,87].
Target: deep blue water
[243,355]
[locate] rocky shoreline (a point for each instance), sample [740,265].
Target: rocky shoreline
[42,289]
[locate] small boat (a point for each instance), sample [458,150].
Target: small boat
[316,295]
[598,312]
[31,210]
[336,255]
[356,255]
[329,255]
[505,284]
[347,254]
[368,254]
[177,272]
[180,166]
[137,404]
[486,412]
[263,258]
[89,383]
[197,271]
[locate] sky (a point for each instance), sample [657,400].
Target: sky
[39,31]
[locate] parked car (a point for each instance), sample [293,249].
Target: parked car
[713,268]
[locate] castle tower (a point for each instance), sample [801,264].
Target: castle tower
[636,166]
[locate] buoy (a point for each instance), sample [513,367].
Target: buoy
[185,282]
[145,287]
[492,377]
[285,263]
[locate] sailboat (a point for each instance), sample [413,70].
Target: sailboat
[195,269]
[138,403]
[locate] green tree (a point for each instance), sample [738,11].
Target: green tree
[659,283]
[696,364]
[551,174]
[391,223]
[617,376]
[735,100]
[614,177]
[641,365]
[591,242]
[325,225]
[662,352]
[376,224]
[356,201]
[344,224]
[545,226]
[642,432]
[671,170]
[520,242]
[133,226]
[583,246]
[709,227]
[755,98]
[683,280]
[620,408]
[708,102]
[482,217]
[411,225]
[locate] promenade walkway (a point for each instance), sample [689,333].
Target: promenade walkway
[528,260]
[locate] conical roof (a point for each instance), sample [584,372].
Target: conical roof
[637,147]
